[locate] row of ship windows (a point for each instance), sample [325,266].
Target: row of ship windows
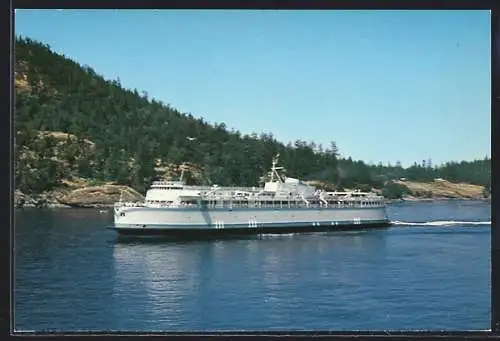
[284,204]
[267,204]
[155,187]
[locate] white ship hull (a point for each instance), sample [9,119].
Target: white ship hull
[282,205]
[152,220]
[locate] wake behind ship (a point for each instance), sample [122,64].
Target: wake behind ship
[283,205]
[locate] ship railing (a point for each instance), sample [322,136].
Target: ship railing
[293,203]
[210,188]
[198,188]
[224,188]
[349,201]
[322,199]
[304,199]
[368,196]
[225,193]
[268,203]
[240,189]
[224,198]
[129,204]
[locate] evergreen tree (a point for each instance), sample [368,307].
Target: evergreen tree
[117,134]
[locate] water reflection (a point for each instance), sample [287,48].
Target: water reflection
[189,277]
[164,274]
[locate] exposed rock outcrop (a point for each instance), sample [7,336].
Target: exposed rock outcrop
[442,189]
[100,196]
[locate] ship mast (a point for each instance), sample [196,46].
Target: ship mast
[182,167]
[274,169]
[182,173]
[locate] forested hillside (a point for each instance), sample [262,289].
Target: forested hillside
[72,124]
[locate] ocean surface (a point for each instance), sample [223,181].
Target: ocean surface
[430,271]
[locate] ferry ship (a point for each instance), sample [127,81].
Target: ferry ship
[282,205]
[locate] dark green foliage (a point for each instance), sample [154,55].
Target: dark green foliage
[394,191]
[130,131]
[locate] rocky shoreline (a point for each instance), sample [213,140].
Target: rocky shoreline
[87,197]
[106,195]
[436,199]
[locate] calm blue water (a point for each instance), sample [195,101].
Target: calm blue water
[71,274]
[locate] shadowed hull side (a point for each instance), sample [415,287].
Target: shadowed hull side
[235,231]
[196,233]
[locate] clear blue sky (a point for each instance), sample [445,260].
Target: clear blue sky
[385,85]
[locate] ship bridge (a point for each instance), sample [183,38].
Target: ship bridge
[167,192]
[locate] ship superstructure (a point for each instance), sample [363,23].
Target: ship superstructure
[283,204]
